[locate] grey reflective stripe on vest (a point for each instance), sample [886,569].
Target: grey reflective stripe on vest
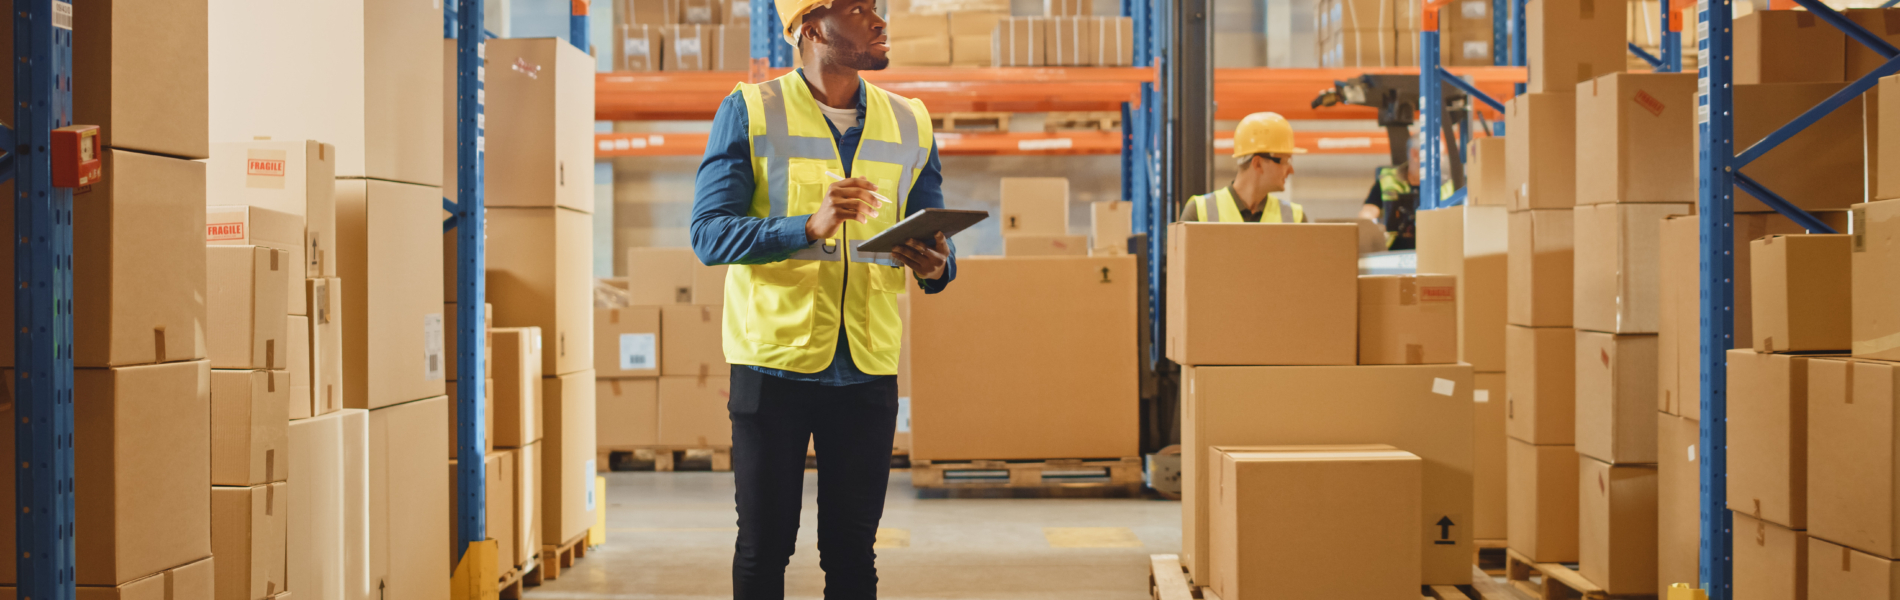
[778,145]
[817,251]
[907,153]
[1286,212]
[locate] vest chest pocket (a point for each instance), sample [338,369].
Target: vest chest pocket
[809,184]
[784,299]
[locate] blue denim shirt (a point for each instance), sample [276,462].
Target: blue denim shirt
[723,234]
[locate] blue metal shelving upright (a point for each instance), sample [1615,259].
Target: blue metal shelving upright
[43,302]
[469,219]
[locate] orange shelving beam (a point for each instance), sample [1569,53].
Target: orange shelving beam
[610,145]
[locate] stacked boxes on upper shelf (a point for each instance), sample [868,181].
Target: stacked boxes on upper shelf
[682,35]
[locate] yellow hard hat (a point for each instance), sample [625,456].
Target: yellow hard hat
[791,12]
[1263,133]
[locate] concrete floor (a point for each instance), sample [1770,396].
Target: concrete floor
[670,535]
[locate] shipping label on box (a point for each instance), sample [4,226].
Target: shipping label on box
[627,342]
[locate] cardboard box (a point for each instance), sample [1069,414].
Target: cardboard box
[693,340]
[1764,48]
[704,12]
[1486,174]
[733,52]
[1884,23]
[142,476]
[1540,406]
[689,47]
[1360,14]
[1768,437]
[1634,138]
[364,75]
[1114,41]
[919,40]
[394,346]
[1295,522]
[1464,43]
[297,178]
[194,581]
[1618,281]
[1068,8]
[640,48]
[1408,319]
[145,72]
[1018,42]
[547,93]
[408,499]
[299,404]
[540,274]
[1035,206]
[648,12]
[250,441]
[1616,386]
[1617,525]
[1542,500]
[1487,457]
[240,225]
[498,509]
[692,412]
[1884,152]
[971,37]
[709,283]
[1067,43]
[662,276]
[567,457]
[1110,222]
[1802,292]
[246,298]
[1851,473]
[327,530]
[528,503]
[247,536]
[1541,263]
[325,335]
[1542,170]
[1071,389]
[1678,501]
[1215,292]
[1876,260]
[1359,48]
[518,374]
[1470,242]
[627,342]
[1045,245]
[1422,409]
[628,413]
[1572,41]
[1820,168]
[1836,571]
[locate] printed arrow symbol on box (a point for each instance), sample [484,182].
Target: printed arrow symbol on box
[1444,529]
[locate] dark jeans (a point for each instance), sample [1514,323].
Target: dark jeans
[851,428]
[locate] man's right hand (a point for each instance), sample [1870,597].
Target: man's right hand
[847,200]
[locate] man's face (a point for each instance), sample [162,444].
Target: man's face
[1273,174]
[853,34]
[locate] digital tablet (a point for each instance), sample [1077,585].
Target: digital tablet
[924,225]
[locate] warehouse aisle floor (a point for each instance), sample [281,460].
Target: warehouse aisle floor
[670,535]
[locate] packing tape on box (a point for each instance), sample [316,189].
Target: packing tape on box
[158,342]
[1877,345]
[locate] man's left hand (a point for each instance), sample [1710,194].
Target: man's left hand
[925,260]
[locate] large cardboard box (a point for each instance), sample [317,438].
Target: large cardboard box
[919,40]
[1487,176]
[325,336]
[1768,436]
[692,412]
[517,405]
[1765,43]
[138,264]
[1018,42]
[299,400]
[1883,23]
[327,530]
[1617,525]
[540,274]
[567,458]
[1771,561]
[1045,245]
[640,48]
[1035,206]
[733,47]
[971,37]
[658,276]
[297,178]
[243,225]
[1422,409]
[245,301]
[1463,43]
[1616,397]
[1487,457]
[1678,501]
[194,581]
[393,345]
[1820,168]
[1071,388]
[1573,41]
[544,87]
[1836,571]
[1540,378]
[408,500]
[1851,469]
[1470,242]
[1314,521]
[1634,138]
[1542,169]
[1876,299]
[1215,294]
[1110,222]
[1542,501]
[1802,292]
[1113,39]
[627,413]
[247,536]
[1068,41]
[692,341]
[1618,285]
[1541,262]
[627,341]
[139,74]
[1408,319]
[527,499]
[250,439]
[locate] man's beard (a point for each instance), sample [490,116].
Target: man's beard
[858,58]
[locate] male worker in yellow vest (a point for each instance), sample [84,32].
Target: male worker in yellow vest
[797,172]
[1263,143]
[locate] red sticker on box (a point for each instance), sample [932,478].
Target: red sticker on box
[1437,293]
[1649,103]
[264,166]
[224,231]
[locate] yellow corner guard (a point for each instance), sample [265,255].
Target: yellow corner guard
[1684,591]
[475,577]
[597,535]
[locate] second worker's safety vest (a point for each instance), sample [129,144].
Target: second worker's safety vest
[788,315]
[1392,184]
[1227,209]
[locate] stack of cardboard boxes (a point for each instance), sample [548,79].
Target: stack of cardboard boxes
[1468,243]
[683,35]
[1064,35]
[662,377]
[1338,359]
[1385,33]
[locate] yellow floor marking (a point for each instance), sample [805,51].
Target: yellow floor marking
[1091,537]
[892,538]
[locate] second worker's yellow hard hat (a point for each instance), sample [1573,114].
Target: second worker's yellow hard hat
[791,12]
[1259,133]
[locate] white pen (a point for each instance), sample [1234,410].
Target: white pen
[880,197]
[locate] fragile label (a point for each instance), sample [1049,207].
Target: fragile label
[1648,102]
[433,369]
[264,168]
[1444,387]
[1437,293]
[636,351]
[224,231]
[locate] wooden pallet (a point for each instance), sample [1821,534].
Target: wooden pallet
[664,458]
[1490,556]
[1082,121]
[556,558]
[1167,580]
[970,121]
[1554,581]
[515,582]
[1061,472]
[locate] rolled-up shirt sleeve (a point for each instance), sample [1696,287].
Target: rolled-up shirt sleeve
[722,232]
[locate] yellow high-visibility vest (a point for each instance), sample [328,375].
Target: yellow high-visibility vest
[1392,184]
[787,315]
[1229,209]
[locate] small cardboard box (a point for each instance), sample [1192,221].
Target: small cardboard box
[689,47]
[251,226]
[1541,263]
[1540,376]
[628,413]
[1408,319]
[527,158]
[1618,286]
[247,537]
[1301,521]
[693,340]
[734,50]
[692,412]
[1542,169]
[1639,144]
[972,35]
[1542,501]
[627,342]
[641,49]
[1464,43]
[325,335]
[1470,242]
[297,178]
[1876,285]
[540,274]
[1110,224]
[1035,206]
[1616,520]
[1771,561]
[1045,245]
[1067,42]
[1763,46]
[1836,571]
[1678,500]
[658,276]
[1114,41]
[567,457]
[1486,176]
[1802,292]
[1616,397]
[919,40]
[518,421]
[1215,294]
[1768,436]
[246,301]
[1019,42]
[1572,41]
[709,283]
[408,517]
[1851,472]
[394,341]
[250,442]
